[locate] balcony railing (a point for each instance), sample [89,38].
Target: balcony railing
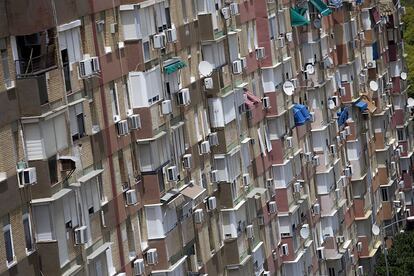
[38,64]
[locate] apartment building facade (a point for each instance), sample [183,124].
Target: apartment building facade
[202,137]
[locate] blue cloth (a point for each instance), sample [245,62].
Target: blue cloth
[301,114]
[336,3]
[361,105]
[343,116]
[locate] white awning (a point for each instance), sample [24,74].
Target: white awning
[89,176]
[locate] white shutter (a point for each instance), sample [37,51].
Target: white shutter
[60,132]
[129,24]
[220,164]
[262,145]
[34,142]
[233,46]
[245,154]
[216,112]
[109,262]
[197,127]
[66,209]
[42,223]
[155,226]
[206,126]
[48,134]
[145,161]
[138,89]
[228,108]
[267,139]
[73,121]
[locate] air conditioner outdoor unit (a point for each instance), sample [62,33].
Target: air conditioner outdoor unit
[214,176]
[342,91]
[320,252]
[269,183]
[267,273]
[316,160]
[187,161]
[208,83]
[172,173]
[316,208]
[343,135]
[152,256]
[139,267]
[81,235]
[211,203]
[88,66]
[281,41]
[296,187]
[234,8]
[250,231]
[27,176]
[166,107]
[372,64]
[361,36]
[333,149]
[266,102]
[205,147]
[237,67]
[272,207]
[159,41]
[260,53]
[213,139]
[131,197]
[289,142]
[340,239]
[171,35]
[225,12]
[312,116]
[352,258]
[359,246]
[122,127]
[67,163]
[198,216]
[183,96]
[116,118]
[135,121]
[308,156]
[285,249]
[348,171]
[246,179]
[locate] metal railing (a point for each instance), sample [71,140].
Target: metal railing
[33,65]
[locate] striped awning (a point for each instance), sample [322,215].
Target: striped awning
[174,66]
[321,6]
[297,19]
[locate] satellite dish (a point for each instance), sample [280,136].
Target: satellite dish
[205,68]
[288,88]
[304,231]
[317,23]
[403,75]
[410,102]
[310,69]
[375,230]
[373,85]
[331,104]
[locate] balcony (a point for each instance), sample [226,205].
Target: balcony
[207,29]
[393,52]
[234,221]
[35,89]
[235,251]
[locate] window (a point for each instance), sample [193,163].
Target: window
[146,50]
[43,222]
[400,134]
[70,41]
[100,261]
[8,240]
[228,165]
[153,154]
[139,23]
[178,142]
[331,271]
[128,105]
[384,194]
[91,195]
[52,164]
[161,16]
[184,9]
[114,99]
[77,123]
[214,54]
[27,227]
[272,27]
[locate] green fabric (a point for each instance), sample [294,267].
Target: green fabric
[297,19]
[323,9]
[173,67]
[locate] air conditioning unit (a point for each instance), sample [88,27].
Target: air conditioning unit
[359,246]
[333,149]
[205,147]
[316,160]
[214,176]
[211,203]
[171,35]
[208,83]
[166,107]
[237,67]
[213,139]
[352,258]
[340,239]
[342,91]
[116,118]
[225,12]
[316,209]
[135,121]
[260,53]
[122,127]
[308,156]
[250,231]
[272,207]
[27,176]
[172,173]
[266,102]
[267,273]
[269,183]
[348,171]
[296,187]
[361,36]
[67,163]
[152,256]
[81,235]
[159,41]
[285,249]
[320,252]
[88,67]
[260,220]
[281,41]
[131,197]
[289,142]
[183,96]
[234,8]
[139,267]
[246,179]
[244,62]
[312,116]
[343,135]
[198,216]
[360,270]
[372,64]
[187,161]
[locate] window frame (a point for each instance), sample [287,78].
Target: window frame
[8,228]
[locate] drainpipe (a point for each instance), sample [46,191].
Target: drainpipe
[108,145]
